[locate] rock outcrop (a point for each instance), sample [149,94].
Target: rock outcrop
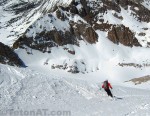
[8,56]
[140,80]
[123,35]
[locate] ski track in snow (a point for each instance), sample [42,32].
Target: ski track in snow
[27,89]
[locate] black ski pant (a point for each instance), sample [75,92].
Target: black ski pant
[109,92]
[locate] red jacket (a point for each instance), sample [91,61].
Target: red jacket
[109,85]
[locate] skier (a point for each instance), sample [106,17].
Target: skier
[106,85]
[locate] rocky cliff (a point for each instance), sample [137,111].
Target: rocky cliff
[8,56]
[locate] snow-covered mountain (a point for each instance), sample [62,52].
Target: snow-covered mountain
[17,16]
[81,35]
[77,35]
[95,40]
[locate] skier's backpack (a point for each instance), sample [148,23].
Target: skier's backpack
[105,84]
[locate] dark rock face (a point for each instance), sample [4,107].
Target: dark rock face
[74,10]
[123,35]
[111,5]
[7,56]
[102,27]
[61,15]
[46,40]
[86,31]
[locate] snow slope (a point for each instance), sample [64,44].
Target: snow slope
[101,58]
[27,90]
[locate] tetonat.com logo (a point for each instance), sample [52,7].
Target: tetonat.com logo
[37,112]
